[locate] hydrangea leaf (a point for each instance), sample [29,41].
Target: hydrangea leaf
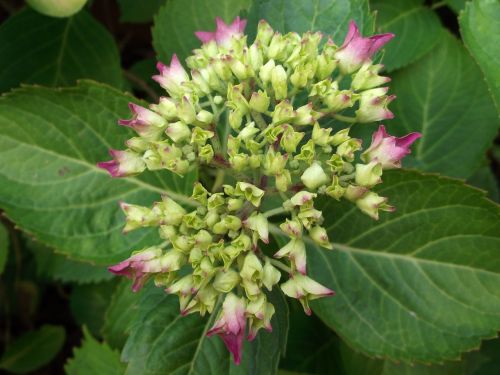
[56,52]
[4,247]
[479,25]
[139,11]
[444,97]
[417,30]
[422,283]
[175,24]
[327,16]
[94,357]
[162,341]
[33,350]
[50,186]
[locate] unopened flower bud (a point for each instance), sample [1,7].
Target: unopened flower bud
[335,190]
[138,216]
[234,204]
[307,152]
[248,131]
[266,71]
[204,117]
[373,105]
[167,108]
[321,136]
[258,223]
[259,101]
[283,112]
[371,203]
[124,163]
[368,174]
[305,115]
[225,281]
[264,33]
[251,192]
[279,82]
[295,250]
[314,176]
[291,139]
[173,260]
[367,77]
[206,154]
[270,275]
[178,131]
[274,163]
[318,234]
[305,289]
[200,136]
[348,148]
[283,180]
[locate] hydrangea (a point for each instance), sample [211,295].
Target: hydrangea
[275,117]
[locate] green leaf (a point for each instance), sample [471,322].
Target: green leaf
[94,357]
[139,11]
[479,25]
[55,51]
[33,350]
[88,303]
[175,24]
[50,186]
[120,314]
[417,30]
[456,5]
[420,284]
[443,97]
[4,247]
[58,267]
[164,342]
[328,16]
[485,179]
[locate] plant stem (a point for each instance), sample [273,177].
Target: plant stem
[142,84]
[275,211]
[343,118]
[280,265]
[439,4]
[259,120]
[219,180]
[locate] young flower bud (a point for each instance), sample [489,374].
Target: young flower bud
[172,213]
[224,34]
[335,190]
[248,132]
[258,223]
[145,122]
[279,82]
[182,287]
[225,281]
[264,33]
[337,100]
[267,312]
[305,115]
[270,275]
[292,227]
[239,162]
[274,163]
[373,105]
[167,108]
[137,144]
[348,148]
[318,234]
[291,139]
[124,164]
[368,174]
[388,150]
[305,289]
[172,77]
[200,194]
[283,112]
[321,136]
[314,176]
[167,232]
[371,203]
[251,192]
[178,131]
[283,180]
[303,198]
[266,71]
[200,136]
[173,260]
[295,250]
[259,101]
[138,216]
[204,117]
[234,204]
[254,57]
[277,47]
[252,268]
[309,216]
[206,154]
[353,192]
[367,77]
[307,152]
[336,164]
[193,221]
[235,118]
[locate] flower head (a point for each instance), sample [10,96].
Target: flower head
[356,50]
[124,163]
[387,149]
[223,33]
[172,77]
[230,325]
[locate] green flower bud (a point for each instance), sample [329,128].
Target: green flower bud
[271,133]
[177,166]
[373,105]
[185,110]
[336,163]
[164,279]
[371,203]
[232,222]
[283,112]
[225,281]
[274,163]
[367,77]
[335,190]
[233,145]
[295,250]
[277,47]
[259,224]
[304,289]
[368,174]
[292,227]
[222,69]
[318,234]
[235,118]
[138,217]
[200,193]
[167,232]
[309,216]
[266,71]
[305,115]
[252,268]
[254,161]
[303,198]
[236,99]
[234,204]
[192,220]
[340,137]
[239,162]
[137,144]
[178,131]
[321,136]
[173,260]
[206,154]
[337,100]
[199,84]
[283,180]
[279,82]
[242,243]
[182,287]
[57,8]
[259,101]
[200,136]
[307,152]
[212,218]
[204,117]
[314,176]
[348,148]
[302,74]
[251,192]
[215,200]
[291,139]
[255,58]
[270,275]
[248,132]
[240,70]
[264,33]
[183,243]
[353,192]
[172,213]
[326,62]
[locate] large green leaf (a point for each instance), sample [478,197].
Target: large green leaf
[139,11]
[164,342]
[4,247]
[94,357]
[33,350]
[331,17]
[444,97]
[50,186]
[420,284]
[479,25]
[175,24]
[417,30]
[120,314]
[54,51]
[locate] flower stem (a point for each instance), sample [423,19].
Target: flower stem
[259,120]
[275,211]
[280,265]
[344,118]
[219,180]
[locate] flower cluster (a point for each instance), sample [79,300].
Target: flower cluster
[275,117]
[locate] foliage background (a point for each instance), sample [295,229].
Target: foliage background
[417,292]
